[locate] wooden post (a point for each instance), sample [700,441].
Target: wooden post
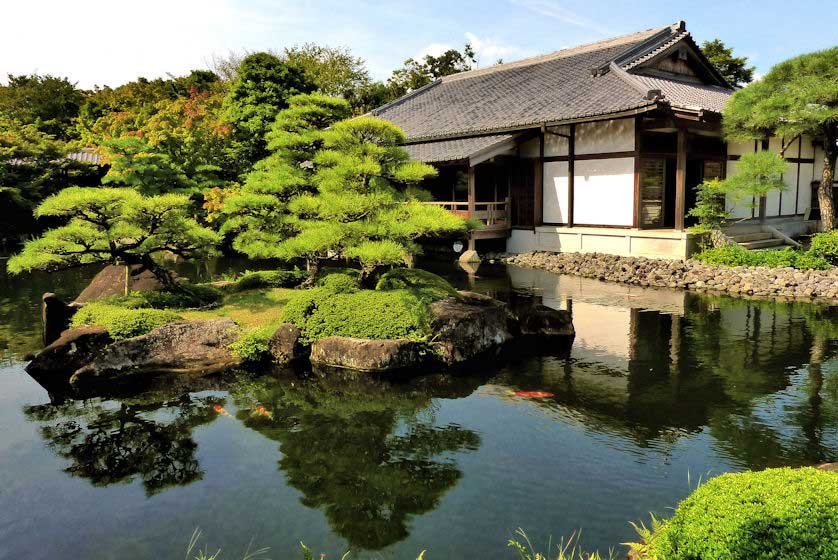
[681,179]
[571,173]
[538,193]
[638,121]
[472,191]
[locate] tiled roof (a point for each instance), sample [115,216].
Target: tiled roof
[454,150]
[577,83]
[685,95]
[86,155]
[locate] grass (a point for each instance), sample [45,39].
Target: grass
[260,308]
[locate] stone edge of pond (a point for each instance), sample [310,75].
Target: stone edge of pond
[761,282]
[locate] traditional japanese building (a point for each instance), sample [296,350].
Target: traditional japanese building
[595,148]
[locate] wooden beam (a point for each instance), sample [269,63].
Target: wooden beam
[538,192]
[571,173]
[680,179]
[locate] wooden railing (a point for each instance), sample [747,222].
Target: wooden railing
[492,214]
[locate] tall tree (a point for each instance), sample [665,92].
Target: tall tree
[333,70]
[262,87]
[797,97]
[115,226]
[735,69]
[415,74]
[48,102]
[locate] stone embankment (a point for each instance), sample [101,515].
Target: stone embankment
[686,274]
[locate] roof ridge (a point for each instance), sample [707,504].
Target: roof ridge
[564,53]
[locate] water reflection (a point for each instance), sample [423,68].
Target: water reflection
[367,452]
[111,442]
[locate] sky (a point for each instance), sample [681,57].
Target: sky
[110,42]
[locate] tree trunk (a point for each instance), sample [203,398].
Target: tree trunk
[164,275]
[827,204]
[313,268]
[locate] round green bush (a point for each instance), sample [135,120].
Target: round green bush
[774,514]
[251,280]
[426,285]
[339,283]
[122,322]
[322,312]
[825,245]
[324,273]
[734,255]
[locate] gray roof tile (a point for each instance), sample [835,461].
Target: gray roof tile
[685,95]
[454,150]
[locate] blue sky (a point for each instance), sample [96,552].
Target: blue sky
[114,41]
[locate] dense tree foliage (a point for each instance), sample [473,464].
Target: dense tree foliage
[262,87]
[735,69]
[116,226]
[346,192]
[797,97]
[334,71]
[50,104]
[417,73]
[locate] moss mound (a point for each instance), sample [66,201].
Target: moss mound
[252,280]
[397,308]
[122,322]
[773,514]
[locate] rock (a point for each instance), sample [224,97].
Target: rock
[367,355]
[55,316]
[73,349]
[545,322]
[831,467]
[187,347]
[285,346]
[468,326]
[110,281]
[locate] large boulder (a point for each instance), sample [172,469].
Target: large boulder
[73,349]
[111,281]
[364,354]
[467,326]
[285,347]
[540,321]
[187,347]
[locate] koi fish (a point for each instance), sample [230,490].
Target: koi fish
[533,394]
[221,410]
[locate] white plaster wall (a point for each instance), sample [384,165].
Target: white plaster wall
[772,204]
[605,136]
[555,190]
[740,148]
[789,196]
[807,150]
[737,209]
[522,241]
[554,145]
[604,192]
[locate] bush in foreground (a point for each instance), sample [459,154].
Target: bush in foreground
[734,255]
[773,514]
[825,245]
[122,322]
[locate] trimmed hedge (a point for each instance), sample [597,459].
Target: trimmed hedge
[251,280]
[734,255]
[122,322]
[774,514]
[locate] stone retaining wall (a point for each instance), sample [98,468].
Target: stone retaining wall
[686,274]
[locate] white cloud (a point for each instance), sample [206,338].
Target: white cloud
[434,49]
[554,10]
[489,50]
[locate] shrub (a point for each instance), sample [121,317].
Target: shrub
[250,280]
[322,312]
[323,274]
[825,245]
[252,345]
[425,285]
[772,514]
[198,296]
[122,322]
[734,255]
[340,283]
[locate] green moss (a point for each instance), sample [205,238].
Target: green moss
[734,255]
[425,285]
[776,513]
[252,345]
[325,273]
[197,295]
[122,322]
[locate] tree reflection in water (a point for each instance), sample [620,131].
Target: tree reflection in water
[366,452]
[109,442]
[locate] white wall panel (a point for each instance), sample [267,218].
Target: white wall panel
[555,189]
[604,192]
[740,148]
[789,195]
[807,150]
[740,210]
[804,197]
[772,204]
[605,136]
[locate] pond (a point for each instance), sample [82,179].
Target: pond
[660,389]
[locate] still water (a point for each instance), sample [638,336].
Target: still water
[661,388]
